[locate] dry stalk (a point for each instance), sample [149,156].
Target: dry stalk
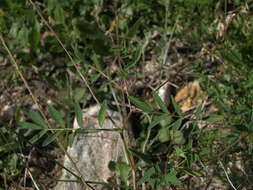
[85,80]
[124,112]
[230,182]
[66,51]
[40,109]
[34,182]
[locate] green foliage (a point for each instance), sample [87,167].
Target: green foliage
[143,106]
[102,114]
[11,165]
[160,103]
[157,179]
[101,35]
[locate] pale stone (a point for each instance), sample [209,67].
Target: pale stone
[93,150]
[163,93]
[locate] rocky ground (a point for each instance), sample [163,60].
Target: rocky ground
[172,79]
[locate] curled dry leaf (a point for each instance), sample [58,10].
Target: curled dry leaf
[189,96]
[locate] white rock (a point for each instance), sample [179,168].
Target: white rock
[93,150]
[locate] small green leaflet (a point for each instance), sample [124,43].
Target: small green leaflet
[171,178]
[180,152]
[96,61]
[193,173]
[79,93]
[133,30]
[160,103]
[51,138]
[142,156]
[35,116]
[136,56]
[147,176]
[177,137]
[177,124]
[23,36]
[158,120]
[59,14]
[36,137]
[27,125]
[176,107]
[163,135]
[215,118]
[124,170]
[102,113]
[248,84]
[112,166]
[35,34]
[9,147]
[56,115]
[140,104]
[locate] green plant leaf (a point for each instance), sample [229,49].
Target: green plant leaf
[193,173]
[215,118]
[124,170]
[177,137]
[172,179]
[95,77]
[35,34]
[133,30]
[112,166]
[9,147]
[158,120]
[177,124]
[180,152]
[147,176]
[176,107]
[136,59]
[35,116]
[160,103]
[27,125]
[140,104]
[59,15]
[248,84]
[51,138]
[36,137]
[79,93]
[79,115]
[142,156]
[23,36]
[102,113]
[163,135]
[56,115]
[96,61]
